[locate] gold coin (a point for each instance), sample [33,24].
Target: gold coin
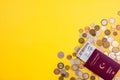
[115,33]
[80,30]
[81,40]
[106,44]
[99,42]
[107,32]
[104,40]
[84,35]
[97,27]
[115,49]
[92,32]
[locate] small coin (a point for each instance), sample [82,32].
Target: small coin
[110,48]
[81,40]
[79,79]
[115,49]
[77,48]
[104,22]
[110,39]
[87,28]
[56,71]
[69,57]
[97,27]
[67,67]
[84,35]
[104,39]
[112,20]
[92,77]
[60,54]
[103,28]
[74,54]
[118,27]
[81,66]
[79,73]
[66,75]
[80,30]
[60,65]
[92,32]
[74,67]
[118,57]
[61,78]
[107,32]
[112,55]
[62,71]
[77,61]
[115,43]
[85,75]
[99,42]
[72,78]
[118,13]
[115,33]
[117,78]
[106,44]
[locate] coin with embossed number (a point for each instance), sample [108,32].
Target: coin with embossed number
[60,65]
[104,22]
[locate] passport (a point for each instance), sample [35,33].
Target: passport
[98,62]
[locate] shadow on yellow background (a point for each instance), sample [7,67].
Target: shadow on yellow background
[33,31]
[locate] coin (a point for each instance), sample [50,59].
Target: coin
[74,54]
[61,78]
[115,33]
[79,79]
[69,57]
[76,48]
[110,39]
[67,67]
[72,78]
[112,20]
[74,67]
[104,22]
[115,43]
[107,32]
[112,55]
[81,40]
[81,66]
[85,75]
[97,27]
[103,28]
[77,61]
[66,75]
[92,32]
[56,71]
[78,73]
[118,13]
[115,49]
[99,42]
[118,27]
[87,28]
[84,35]
[117,78]
[110,48]
[60,65]
[92,77]
[118,57]
[60,55]
[106,44]
[104,39]
[80,30]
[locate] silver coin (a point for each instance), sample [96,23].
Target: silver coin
[62,71]
[79,73]
[104,22]
[112,20]
[77,61]
[60,65]
[75,67]
[103,28]
[60,54]
[117,78]
[85,75]
[77,48]
[66,75]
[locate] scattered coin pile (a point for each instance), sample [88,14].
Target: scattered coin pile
[105,37]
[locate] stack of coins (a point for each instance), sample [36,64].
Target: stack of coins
[105,38]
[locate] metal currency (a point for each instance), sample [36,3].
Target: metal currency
[78,73]
[84,35]
[115,33]
[76,48]
[103,28]
[118,13]
[104,22]
[112,20]
[97,27]
[69,57]
[115,49]
[56,71]
[67,67]
[60,55]
[80,30]
[61,78]
[72,78]
[81,40]
[85,75]
[106,44]
[115,43]
[107,32]
[92,32]
[118,27]
[99,42]
[60,65]
[92,77]
[74,67]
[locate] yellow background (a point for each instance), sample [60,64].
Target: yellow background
[33,31]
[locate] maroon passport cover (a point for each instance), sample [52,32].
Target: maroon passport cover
[102,65]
